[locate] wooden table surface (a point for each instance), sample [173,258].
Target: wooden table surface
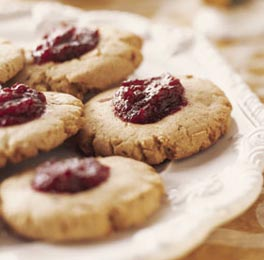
[243,238]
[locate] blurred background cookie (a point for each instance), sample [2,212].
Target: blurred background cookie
[11,60]
[79,61]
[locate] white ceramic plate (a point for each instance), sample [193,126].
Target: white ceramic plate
[203,191]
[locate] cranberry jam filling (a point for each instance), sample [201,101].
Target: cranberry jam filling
[65,43]
[20,104]
[149,100]
[70,175]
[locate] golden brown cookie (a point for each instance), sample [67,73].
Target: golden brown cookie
[11,60]
[127,198]
[61,119]
[116,56]
[192,129]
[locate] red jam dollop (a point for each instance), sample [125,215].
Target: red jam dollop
[20,104]
[65,43]
[149,100]
[70,175]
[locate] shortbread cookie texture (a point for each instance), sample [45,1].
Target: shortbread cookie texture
[127,198]
[62,118]
[115,57]
[193,128]
[11,60]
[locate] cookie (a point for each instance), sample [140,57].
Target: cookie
[11,60]
[193,128]
[127,198]
[115,57]
[62,118]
